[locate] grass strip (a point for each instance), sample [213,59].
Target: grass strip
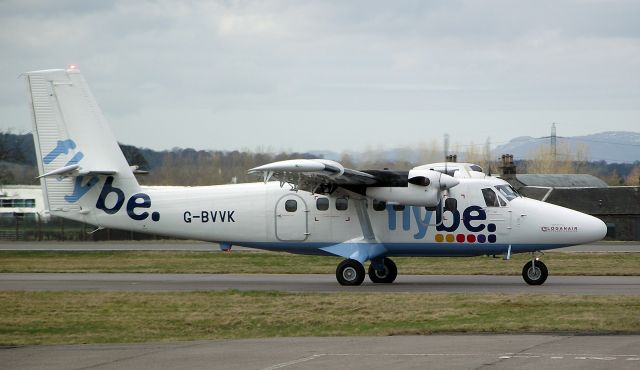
[559,263]
[119,317]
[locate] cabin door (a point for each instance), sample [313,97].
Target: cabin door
[291,216]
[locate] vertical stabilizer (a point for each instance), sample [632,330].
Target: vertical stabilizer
[76,149]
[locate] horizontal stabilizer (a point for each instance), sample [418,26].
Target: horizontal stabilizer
[62,171]
[74,170]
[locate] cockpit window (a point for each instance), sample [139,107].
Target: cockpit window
[475,167]
[490,198]
[503,203]
[508,192]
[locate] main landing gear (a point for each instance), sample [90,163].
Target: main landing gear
[351,272]
[384,271]
[535,272]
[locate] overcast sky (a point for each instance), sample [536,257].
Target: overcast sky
[332,75]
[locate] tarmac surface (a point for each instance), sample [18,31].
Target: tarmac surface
[142,282]
[178,245]
[370,353]
[397,352]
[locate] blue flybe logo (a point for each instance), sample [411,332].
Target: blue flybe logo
[473,217]
[63,147]
[80,186]
[136,205]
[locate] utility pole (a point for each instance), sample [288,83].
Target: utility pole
[487,155]
[554,149]
[446,146]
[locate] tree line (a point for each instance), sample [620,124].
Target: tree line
[190,167]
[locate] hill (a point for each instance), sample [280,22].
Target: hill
[609,146]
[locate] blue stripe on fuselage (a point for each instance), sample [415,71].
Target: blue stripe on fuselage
[408,249]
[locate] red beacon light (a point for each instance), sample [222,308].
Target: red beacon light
[72,66]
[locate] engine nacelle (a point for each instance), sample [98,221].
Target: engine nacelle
[423,190]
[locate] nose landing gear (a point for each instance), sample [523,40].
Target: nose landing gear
[535,272]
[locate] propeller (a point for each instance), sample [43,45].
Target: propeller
[434,183]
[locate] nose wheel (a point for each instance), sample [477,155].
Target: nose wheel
[535,272]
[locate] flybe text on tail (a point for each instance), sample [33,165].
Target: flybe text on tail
[136,205]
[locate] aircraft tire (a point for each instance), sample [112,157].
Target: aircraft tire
[535,276]
[387,276]
[350,272]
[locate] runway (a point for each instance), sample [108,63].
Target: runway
[179,245]
[595,285]
[370,353]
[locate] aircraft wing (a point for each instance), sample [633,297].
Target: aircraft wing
[312,174]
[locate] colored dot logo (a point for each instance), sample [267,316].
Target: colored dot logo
[469,238]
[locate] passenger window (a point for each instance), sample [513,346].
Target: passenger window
[379,206]
[490,198]
[291,205]
[322,204]
[342,204]
[398,207]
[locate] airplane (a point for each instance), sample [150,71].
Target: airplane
[305,206]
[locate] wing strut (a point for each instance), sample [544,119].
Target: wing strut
[365,221]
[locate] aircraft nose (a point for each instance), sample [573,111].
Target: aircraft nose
[593,228]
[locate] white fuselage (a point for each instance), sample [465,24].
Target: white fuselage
[256,215]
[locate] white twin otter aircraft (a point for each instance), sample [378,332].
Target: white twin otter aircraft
[312,206]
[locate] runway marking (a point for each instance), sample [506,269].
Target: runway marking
[501,356]
[294,362]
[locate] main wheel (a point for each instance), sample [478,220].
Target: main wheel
[387,275]
[350,272]
[535,274]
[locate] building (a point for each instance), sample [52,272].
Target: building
[617,206]
[23,217]
[21,201]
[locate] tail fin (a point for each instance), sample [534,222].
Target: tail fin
[76,150]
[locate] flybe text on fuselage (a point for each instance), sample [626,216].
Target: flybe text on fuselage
[447,221]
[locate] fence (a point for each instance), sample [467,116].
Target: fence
[29,227]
